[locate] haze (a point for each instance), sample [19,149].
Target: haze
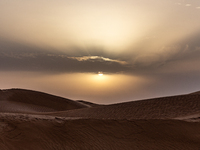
[145,48]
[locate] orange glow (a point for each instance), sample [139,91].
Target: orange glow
[85,86]
[100,73]
[141,40]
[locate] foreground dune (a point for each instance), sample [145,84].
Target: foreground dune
[31,133]
[62,124]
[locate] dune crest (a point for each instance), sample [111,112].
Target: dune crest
[21,100]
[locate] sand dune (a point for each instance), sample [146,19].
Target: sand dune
[158,108]
[88,103]
[31,120]
[31,133]
[18,100]
[195,93]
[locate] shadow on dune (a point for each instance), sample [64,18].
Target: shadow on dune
[20,100]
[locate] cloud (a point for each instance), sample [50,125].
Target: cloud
[188,5]
[158,58]
[98,58]
[16,56]
[169,58]
[57,62]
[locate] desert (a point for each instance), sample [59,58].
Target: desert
[99,75]
[32,120]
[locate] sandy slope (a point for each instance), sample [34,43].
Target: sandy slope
[157,108]
[18,100]
[32,120]
[31,133]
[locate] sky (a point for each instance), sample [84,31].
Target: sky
[144,48]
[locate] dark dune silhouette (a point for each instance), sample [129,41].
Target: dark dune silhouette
[20,100]
[31,120]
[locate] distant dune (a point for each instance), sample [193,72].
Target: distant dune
[195,93]
[31,120]
[158,108]
[18,100]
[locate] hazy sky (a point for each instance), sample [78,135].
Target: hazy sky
[145,48]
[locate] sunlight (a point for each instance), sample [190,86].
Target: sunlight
[100,73]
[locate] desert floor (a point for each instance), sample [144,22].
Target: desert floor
[31,120]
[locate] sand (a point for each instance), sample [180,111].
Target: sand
[27,123]
[18,100]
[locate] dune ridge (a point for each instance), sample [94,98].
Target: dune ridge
[157,108]
[21,100]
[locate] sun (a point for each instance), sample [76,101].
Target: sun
[100,73]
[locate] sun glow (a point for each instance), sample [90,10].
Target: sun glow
[100,73]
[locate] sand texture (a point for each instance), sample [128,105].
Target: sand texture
[31,120]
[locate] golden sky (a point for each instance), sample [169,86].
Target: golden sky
[141,46]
